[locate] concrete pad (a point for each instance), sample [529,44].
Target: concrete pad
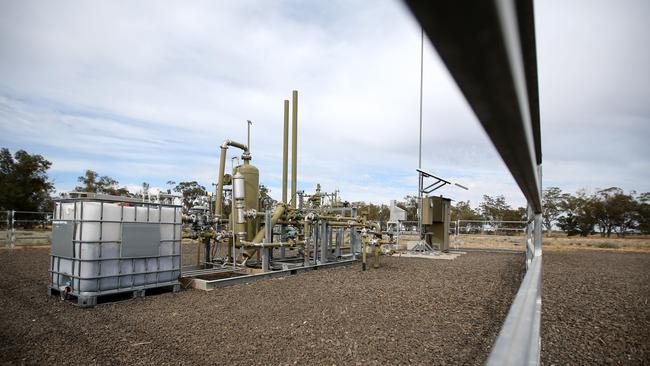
[444,256]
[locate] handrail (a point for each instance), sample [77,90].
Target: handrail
[519,341]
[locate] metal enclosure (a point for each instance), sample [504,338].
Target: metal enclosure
[396,214]
[106,245]
[435,219]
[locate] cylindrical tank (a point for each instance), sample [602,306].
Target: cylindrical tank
[239,201]
[251,177]
[239,191]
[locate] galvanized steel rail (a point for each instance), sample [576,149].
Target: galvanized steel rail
[489,48]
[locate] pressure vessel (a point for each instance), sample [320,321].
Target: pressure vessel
[251,176]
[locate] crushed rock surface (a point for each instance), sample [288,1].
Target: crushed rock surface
[595,308]
[409,311]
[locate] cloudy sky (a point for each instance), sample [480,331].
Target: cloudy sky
[148,90]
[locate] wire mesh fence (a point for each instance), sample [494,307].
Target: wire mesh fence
[25,228]
[488,234]
[468,234]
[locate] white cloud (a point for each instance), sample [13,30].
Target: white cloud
[147,91]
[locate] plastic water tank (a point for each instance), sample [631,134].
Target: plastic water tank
[103,246]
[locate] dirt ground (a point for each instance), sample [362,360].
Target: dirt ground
[595,311]
[556,242]
[415,311]
[595,308]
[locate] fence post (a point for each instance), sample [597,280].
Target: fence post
[12,238]
[7,229]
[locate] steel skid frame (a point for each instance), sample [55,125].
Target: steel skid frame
[324,247]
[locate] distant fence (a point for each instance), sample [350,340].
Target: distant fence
[488,234]
[488,227]
[24,228]
[495,234]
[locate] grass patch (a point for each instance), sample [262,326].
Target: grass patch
[608,245]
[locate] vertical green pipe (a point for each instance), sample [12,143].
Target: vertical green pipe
[285,152]
[222,166]
[294,149]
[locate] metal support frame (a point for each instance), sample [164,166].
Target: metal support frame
[324,242]
[318,249]
[339,242]
[268,238]
[248,278]
[206,251]
[308,242]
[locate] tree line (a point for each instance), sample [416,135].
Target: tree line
[606,211]
[25,186]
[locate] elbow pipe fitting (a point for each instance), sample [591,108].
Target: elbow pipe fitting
[235,144]
[222,167]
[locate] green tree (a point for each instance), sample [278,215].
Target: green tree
[191,191]
[551,201]
[494,209]
[515,214]
[579,214]
[372,212]
[93,182]
[643,209]
[266,201]
[615,211]
[463,210]
[410,205]
[24,184]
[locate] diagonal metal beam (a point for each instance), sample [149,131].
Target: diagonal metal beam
[496,69]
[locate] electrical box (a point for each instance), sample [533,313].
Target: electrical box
[435,209]
[427,211]
[435,219]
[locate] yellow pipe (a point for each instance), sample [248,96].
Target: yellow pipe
[285,152]
[279,211]
[222,168]
[294,149]
[377,253]
[364,244]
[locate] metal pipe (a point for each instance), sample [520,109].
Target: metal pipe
[276,244]
[285,152]
[248,140]
[268,228]
[324,242]
[222,168]
[294,148]
[277,213]
[364,245]
[377,252]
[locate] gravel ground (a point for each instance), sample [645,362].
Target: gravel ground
[595,308]
[410,311]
